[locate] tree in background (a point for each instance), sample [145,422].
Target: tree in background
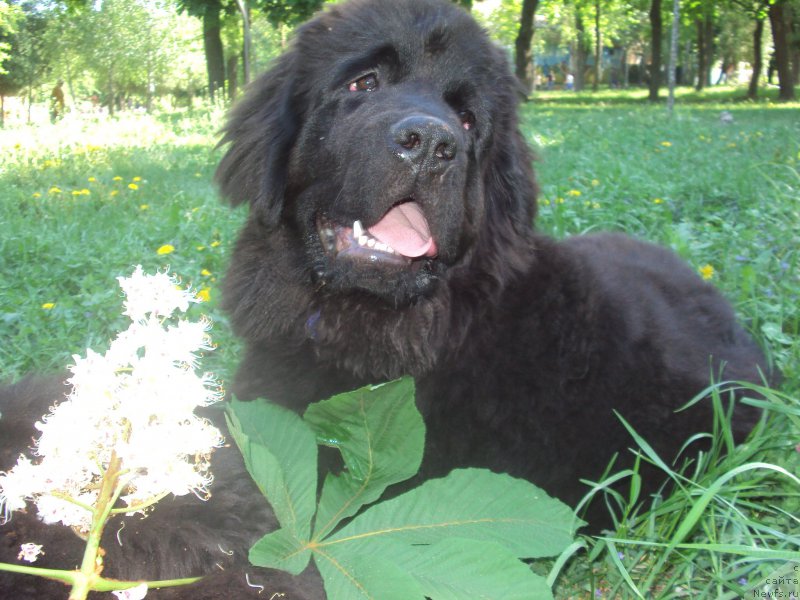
[779,18]
[656,43]
[209,11]
[9,17]
[26,63]
[757,12]
[523,60]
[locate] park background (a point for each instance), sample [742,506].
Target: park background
[122,175]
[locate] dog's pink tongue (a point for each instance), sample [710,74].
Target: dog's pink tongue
[405,229]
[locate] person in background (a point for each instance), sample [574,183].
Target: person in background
[57,102]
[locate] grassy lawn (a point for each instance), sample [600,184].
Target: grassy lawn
[84,201]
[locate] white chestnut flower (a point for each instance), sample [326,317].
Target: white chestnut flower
[134,403]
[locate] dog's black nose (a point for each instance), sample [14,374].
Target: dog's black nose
[426,142]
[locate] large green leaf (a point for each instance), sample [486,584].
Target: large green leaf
[457,537]
[451,538]
[281,550]
[468,503]
[349,577]
[381,436]
[280,453]
[454,569]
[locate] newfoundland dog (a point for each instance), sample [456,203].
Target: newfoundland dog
[390,232]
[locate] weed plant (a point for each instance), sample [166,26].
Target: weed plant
[86,199]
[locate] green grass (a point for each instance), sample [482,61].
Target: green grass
[65,238]
[725,196]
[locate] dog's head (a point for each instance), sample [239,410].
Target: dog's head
[385,139]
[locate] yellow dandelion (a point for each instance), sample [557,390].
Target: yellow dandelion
[205,273]
[92,179]
[144,206]
[37,195]
[76,192]
[215,243]
[666,144]
[114,192]
[133,186]
[166,249]
[574,193]
[544,202]
[137,178]
[116,178]
[48,305]
[54,190]
[706,272]
[658,201]
[199,248]
[204,295]
[559,200]
[595,182]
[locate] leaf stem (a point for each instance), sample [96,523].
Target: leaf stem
[101,584]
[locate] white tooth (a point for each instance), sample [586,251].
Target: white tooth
[381,246]
[371,243]
[362,239]
[358,229]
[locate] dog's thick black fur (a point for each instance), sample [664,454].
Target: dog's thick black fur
[401,116]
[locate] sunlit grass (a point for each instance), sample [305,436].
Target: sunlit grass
[84,201]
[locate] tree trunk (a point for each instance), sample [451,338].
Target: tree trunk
[673,53]
[780,40]
[233,70]
[246,43]
[597,47]
[212,44]
[111,91]
[522,45]
[701,55]
[581,52]
[758,35]
[709,37]
[705,51]
[625,67]
[656,35]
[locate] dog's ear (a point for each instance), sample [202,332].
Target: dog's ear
[260,132]
[510,184]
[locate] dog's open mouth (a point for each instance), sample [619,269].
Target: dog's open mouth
[400,237]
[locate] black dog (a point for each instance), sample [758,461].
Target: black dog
[394,124]
[390,232]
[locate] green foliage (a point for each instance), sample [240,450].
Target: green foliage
[9,15]
[730,520]
[455,537]
[289,12]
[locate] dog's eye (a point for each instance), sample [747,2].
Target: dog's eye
[467,119]
[367,83]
